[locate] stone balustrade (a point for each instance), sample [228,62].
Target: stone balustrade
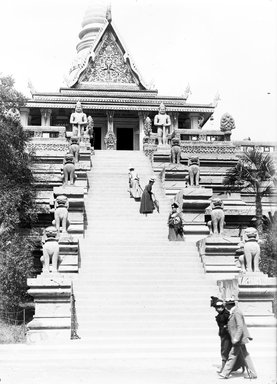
[45,132]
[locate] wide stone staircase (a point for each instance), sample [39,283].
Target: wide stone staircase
[142,302]
[137,293]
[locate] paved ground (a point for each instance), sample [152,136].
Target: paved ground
[127,371]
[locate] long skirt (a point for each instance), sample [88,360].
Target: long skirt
[173,235]
[135,190]
[146,204]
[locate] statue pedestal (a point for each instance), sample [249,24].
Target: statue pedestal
[256,298]
[193,201]
[218,255]
[75,197]
[255,292]
[52,319]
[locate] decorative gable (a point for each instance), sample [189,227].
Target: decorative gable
[109,63]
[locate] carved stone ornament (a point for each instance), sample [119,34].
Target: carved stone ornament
[207,148]
[110,140]
[109,64]
[147,127]
[47,147]
[227,123]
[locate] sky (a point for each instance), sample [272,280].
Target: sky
[224,46]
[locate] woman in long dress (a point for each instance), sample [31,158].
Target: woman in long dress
[147,198]
[134,186]
[175,224]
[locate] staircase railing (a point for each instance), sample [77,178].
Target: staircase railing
[74,323]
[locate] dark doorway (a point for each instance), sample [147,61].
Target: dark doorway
[125,139]
[97,138]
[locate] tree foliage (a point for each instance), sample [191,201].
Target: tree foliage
[9,96]
[17,203]
[268,262]
[16,265]
[254,172]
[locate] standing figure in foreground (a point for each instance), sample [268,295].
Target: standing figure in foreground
[225,338]
[175,224]
[134,187]
[162,122]
[239,337]
[147,198]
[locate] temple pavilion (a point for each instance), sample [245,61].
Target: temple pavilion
[104,78]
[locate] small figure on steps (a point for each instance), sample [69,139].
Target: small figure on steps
[175,224]
[134,186]
[147,198]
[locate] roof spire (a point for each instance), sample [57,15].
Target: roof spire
[109,13]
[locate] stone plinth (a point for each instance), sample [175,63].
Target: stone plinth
[75,197]
[218,254]
[52,319]
[193,201]
[236,211]
[196,199]
[255,293]
[74,194]
[48,176]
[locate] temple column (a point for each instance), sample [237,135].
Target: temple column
[24,116]
[110,115]
[46,116]
[142,117]
[174,121]
[194,123]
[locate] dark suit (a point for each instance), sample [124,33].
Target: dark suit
[225,340]
[239,336]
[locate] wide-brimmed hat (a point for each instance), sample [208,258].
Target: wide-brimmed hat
[230,301]
[219,303]
[175,205]
[152,179]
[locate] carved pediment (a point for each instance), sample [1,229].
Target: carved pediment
[109,64]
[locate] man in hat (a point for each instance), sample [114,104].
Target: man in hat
[147,198]
[222,318]
[239,337]
[175,224]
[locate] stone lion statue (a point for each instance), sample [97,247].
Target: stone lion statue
[250,259]
[216,224]
[50,249]
[175,150]
[69,169]
[61,206]
[74,148]
[194,170]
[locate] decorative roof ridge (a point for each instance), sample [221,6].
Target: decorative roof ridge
[117,98]
[111,90]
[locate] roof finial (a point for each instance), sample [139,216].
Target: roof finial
[109,13]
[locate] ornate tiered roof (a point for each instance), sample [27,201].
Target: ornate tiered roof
[103,75]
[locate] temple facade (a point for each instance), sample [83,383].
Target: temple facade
[105,80]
